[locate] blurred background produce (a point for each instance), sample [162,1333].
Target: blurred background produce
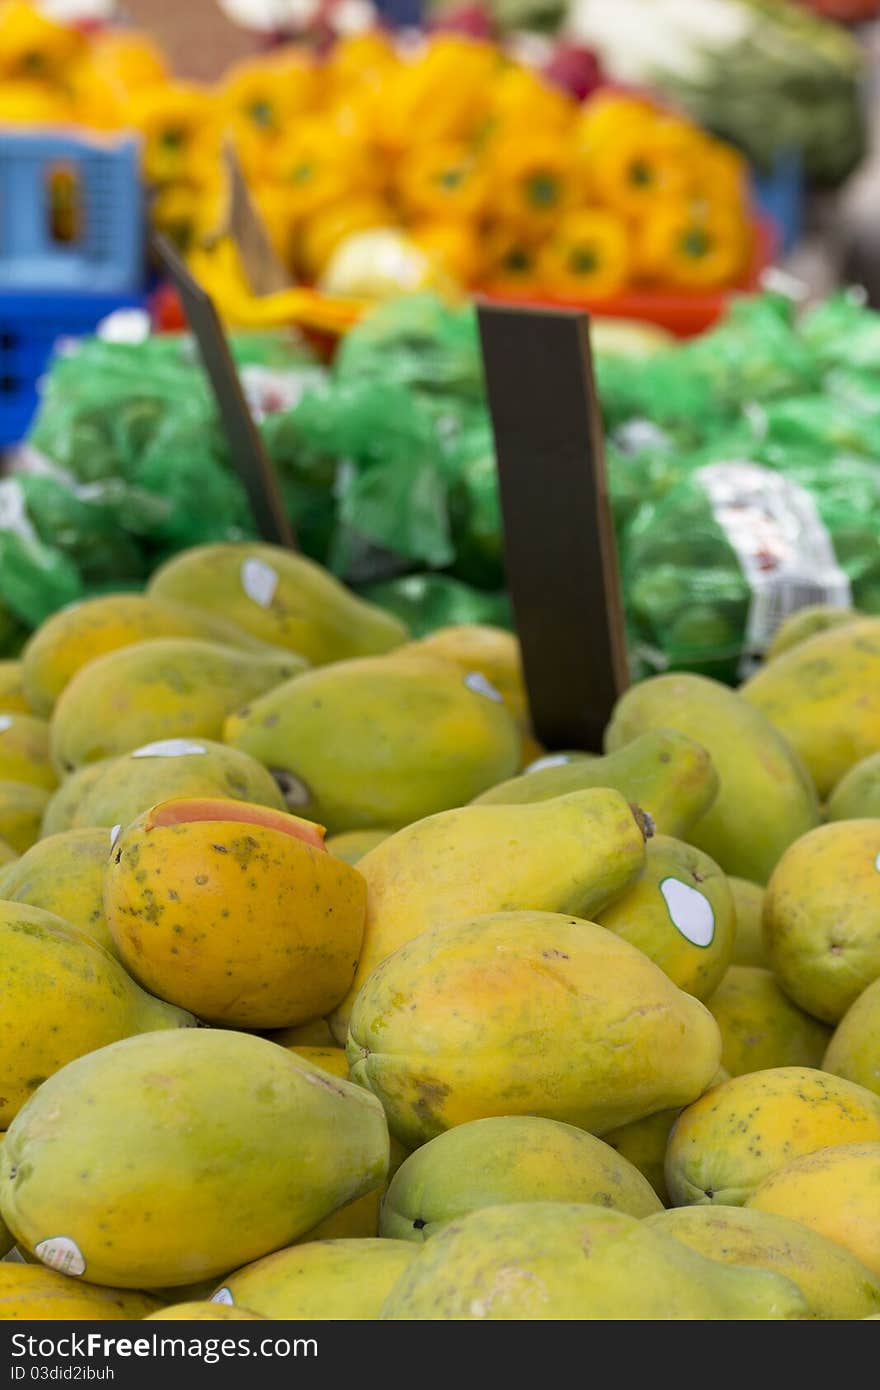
[646,159]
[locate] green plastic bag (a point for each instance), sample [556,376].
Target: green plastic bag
[428,601]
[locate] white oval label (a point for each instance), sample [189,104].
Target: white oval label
[259,581]
[877,863]
[223,1296]
[61,1253]
[114,835]
[690,911]
[5,722]
[548,760]
[477,682]
[169,748]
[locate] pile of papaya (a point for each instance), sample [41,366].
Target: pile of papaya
[330,994]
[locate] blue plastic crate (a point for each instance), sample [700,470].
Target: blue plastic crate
[71,214]
[30,326]
[780,194]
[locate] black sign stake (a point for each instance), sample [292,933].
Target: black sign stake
[252,463]
[559,538]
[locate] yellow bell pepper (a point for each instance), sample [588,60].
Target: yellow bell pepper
[636,169]
[681,248]
[33,103]
[189,213]
[587,256]
[511,261]
[218,268]
[97,100]
[442,180]
[604,114]
[443,95]
[358,60]
[719,176]
[33,47]
[262,96]
[454,246]
[181,134]
[533,182]
[320,234]
[317,164]
[128,59]
[521,102]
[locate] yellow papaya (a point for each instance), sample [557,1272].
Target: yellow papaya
[680,912]
[325,1279]
[526,1013]
[64,996]
[24,751]
[237,909]
[380,741]
[173,1157]
[29,1293]
[169,688]
[766,799]
[564,1261]
[76,635]
[725,1144]
[64,874]
[511,1158]
[834,1283]
[820,917]
[854,1049]
[61,809]
[824,697]
[835,1191]
[760,1026]
[279,597]
[574,854]
[857,795]
[665,773]
[21,813]
[168,770]
[203,1312]
[12,697]
[748,942]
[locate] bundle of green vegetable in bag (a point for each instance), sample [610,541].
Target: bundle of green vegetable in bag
[386,463]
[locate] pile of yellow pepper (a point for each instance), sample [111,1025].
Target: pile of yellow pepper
[498,178]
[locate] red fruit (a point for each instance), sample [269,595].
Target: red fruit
[576,70]
[473,21]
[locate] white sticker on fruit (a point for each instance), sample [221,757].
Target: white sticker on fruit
[476,681]
[61,1253]
[549,760]
[114,835]
[783,547]
[259,581]
[5,723]
[169,748]
[690,911]
[877,863]
[222,1296]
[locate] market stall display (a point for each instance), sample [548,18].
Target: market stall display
[495,175]
[366,957]
[492,1115]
